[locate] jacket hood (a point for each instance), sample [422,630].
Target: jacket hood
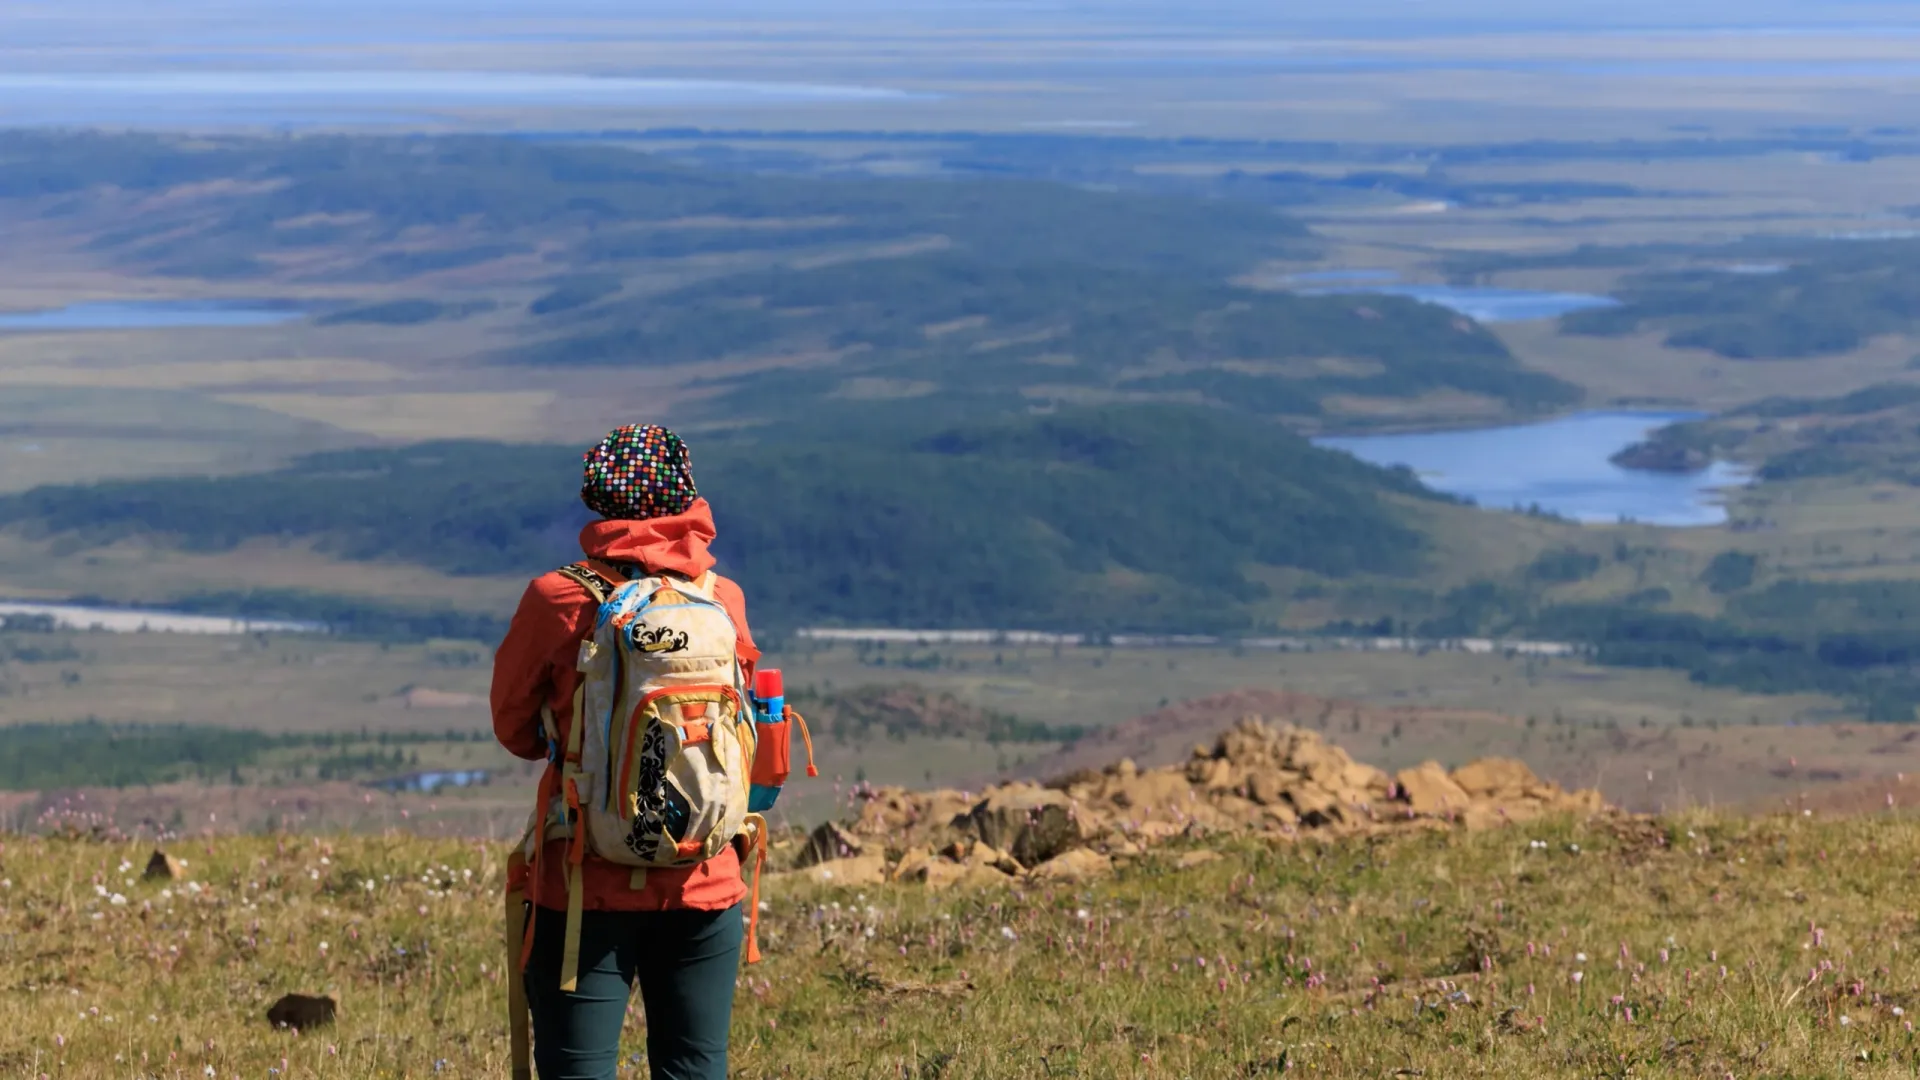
[676,544]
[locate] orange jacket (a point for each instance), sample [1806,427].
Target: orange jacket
[535,666]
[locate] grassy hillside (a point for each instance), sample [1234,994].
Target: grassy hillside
[1123,517]
[1686,947]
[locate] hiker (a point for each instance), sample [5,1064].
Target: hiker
[616,894]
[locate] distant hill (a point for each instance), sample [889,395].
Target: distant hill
[582,255]
[392,207]
[1124,517]
[1821,297]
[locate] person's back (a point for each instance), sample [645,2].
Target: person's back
[676,929]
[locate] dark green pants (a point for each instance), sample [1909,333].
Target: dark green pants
[686,963]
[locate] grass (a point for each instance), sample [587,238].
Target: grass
[1683,947]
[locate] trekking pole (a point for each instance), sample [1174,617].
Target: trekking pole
[519,1034]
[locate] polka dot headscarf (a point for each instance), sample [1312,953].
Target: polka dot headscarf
[637,472]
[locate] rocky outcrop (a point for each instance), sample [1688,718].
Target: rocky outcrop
[1276,781]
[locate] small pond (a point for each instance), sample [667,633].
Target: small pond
[115,620]
[149,315]
[1482,303]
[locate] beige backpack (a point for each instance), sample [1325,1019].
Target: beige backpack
[658,761]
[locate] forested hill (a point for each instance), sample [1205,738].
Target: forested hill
[1126,517]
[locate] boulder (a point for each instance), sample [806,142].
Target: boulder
[1080,864]
[892,812]
[1496,778]
[1427,789]
[858,871]
[829,842]
[934,873]
[1266,788]
[1033,824]
[1153,832]
[1191,859]
[164,867]
[1315,805]
[911,858]
[1151,790]
[1317,759]
[984,877]
[985,854]
[302,1012]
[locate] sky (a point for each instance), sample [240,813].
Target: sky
[1206,64]
[113,18]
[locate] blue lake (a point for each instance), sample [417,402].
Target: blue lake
[1558,465]
[149,315]
[1481,303]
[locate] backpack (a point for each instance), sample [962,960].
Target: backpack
[660,759]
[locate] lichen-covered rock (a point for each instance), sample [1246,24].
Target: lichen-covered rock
[1031,823]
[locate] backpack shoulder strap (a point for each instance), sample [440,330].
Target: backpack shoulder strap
[599,579]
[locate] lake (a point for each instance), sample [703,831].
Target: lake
[149,315]
[1481,303]
[137,620]
[1559,465]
